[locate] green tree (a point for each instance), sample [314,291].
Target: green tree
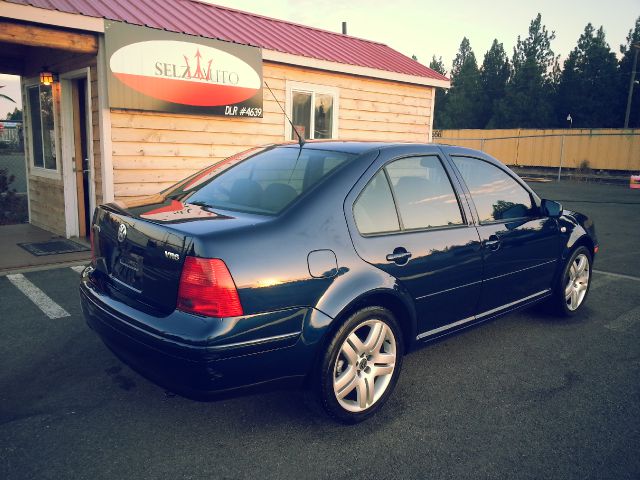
[529,95]
[587,87]
[494,75]
[463,99]
[441,95]
[16,115]
[626,64]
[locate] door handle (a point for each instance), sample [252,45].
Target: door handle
[399,256]
[492,243]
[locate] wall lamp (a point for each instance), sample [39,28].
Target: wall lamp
[47,77]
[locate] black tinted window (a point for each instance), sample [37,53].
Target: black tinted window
[264,183]
[423,193]
[374,210]
[496,194]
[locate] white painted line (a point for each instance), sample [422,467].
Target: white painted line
[50,308]
[78,268]
[618,275]
[625,321]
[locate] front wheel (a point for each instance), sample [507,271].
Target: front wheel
[361,365]
[571,291]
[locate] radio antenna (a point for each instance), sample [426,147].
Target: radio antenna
[300,137]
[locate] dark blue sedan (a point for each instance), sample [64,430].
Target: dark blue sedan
[323,265]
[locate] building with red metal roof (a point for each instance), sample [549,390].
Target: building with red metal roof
[123,98]
[211,21]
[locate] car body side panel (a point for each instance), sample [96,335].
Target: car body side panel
[524,262]
[445,264]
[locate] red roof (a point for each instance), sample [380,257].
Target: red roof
[223,23]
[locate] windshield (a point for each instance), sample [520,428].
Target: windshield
[266,182]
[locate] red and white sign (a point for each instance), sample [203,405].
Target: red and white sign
[185,73]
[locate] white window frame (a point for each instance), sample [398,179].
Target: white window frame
[33,169]
[312,89]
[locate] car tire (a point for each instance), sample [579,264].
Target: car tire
[572,286]
[361,365]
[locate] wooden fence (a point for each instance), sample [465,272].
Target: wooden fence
[601,149]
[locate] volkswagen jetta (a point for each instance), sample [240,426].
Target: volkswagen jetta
[323,264]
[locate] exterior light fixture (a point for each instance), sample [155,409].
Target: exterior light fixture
[46,77]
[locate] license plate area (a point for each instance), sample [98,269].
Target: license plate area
[128,269]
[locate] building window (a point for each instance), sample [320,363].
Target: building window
[43,138]
[313,110]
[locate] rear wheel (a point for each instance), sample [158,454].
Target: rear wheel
[361,366]
[572,288]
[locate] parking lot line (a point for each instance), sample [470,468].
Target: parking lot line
[78,268]
[618,275]
[625,321]
[50,308]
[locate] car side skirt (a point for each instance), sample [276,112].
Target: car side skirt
[482,317]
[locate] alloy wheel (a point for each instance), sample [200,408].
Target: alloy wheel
[577,282]
[364,366]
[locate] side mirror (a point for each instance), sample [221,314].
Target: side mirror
[551,208]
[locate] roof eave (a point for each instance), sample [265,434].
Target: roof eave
[298,60]
[56,18]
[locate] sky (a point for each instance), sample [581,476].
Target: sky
[425,28]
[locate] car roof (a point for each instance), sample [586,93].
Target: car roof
[349,146]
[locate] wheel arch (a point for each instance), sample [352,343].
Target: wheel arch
[395,300]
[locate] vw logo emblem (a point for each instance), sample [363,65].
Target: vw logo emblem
[122,232]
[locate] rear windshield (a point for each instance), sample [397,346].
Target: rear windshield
[266,182]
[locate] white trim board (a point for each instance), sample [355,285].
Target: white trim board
[72,227]
[279,57]
[104,123]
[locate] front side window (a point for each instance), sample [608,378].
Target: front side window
[496,194]
[43,146]
[312,113]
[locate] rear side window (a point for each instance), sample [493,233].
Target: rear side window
[496,194]
[423,192]
[374,211]
[266,182]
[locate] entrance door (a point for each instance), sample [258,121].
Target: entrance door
[80,159]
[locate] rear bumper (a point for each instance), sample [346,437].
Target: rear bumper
[201,357]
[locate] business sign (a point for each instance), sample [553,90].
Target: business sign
[178,73]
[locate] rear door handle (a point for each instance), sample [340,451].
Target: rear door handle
[492,243]
[399,256]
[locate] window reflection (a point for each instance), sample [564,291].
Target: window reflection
[43,144]
[497,196]
[301,113]
[424,194]
[323,116]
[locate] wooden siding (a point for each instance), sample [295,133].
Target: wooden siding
[153,150]
[600,149]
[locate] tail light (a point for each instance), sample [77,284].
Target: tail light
[206,288]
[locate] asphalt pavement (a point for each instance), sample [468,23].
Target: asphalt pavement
[524,396]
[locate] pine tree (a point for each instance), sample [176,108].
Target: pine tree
[494,75]
[529,95]
[587,87]
[441,95]
[626,64]
[463,100]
